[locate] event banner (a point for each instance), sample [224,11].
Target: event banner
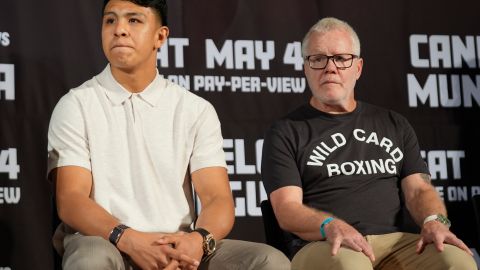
[421,59]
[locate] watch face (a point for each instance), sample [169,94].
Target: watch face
[444,220]
[209,245]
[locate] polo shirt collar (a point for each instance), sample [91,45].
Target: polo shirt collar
[117,94]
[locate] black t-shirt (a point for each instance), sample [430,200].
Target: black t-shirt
[349,164]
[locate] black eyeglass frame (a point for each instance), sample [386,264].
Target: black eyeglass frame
[352,56]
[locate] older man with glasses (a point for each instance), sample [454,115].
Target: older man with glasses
[333,168]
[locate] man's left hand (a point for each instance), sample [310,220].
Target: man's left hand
[187,243]
[438,234]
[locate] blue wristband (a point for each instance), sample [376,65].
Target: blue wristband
[324,223]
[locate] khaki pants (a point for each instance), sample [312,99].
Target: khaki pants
[394,251]
[92,252]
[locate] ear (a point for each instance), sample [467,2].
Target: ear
[359,67]
[161,36]
[305,67]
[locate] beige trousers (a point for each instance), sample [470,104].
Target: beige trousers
[92,252]
[394,251]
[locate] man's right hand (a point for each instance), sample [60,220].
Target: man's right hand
[339,233]
[146,254]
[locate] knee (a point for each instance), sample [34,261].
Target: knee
[91,252]
[242,255]
[272,259]
[317,255]
[352,260]
[454,258]
[451,257]
[83,263]
[468,264]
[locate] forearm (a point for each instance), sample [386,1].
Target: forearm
[73,186]
[85,215]
[301,220]
[212,187]
[426,202]
[217,216]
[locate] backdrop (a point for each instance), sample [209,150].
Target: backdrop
[421,58]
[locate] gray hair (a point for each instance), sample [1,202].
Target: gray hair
[328,24]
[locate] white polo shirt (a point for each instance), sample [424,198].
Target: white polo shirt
[140,147]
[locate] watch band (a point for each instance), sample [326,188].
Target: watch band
[116,233]
[202,231]
[438,217]
[430,218]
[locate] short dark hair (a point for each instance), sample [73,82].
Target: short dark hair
[160,7]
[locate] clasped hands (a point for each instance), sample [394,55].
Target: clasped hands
[162,251]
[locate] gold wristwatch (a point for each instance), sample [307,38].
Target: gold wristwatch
[209,245]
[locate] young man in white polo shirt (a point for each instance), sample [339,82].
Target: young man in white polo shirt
[125,149]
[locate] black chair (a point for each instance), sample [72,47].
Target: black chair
[476,209]
[57,259]
[274,235]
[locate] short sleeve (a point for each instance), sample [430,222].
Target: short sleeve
[67,139]
[208,142]
[279,167]
[412,161]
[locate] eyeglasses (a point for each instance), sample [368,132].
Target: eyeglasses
[320,61]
